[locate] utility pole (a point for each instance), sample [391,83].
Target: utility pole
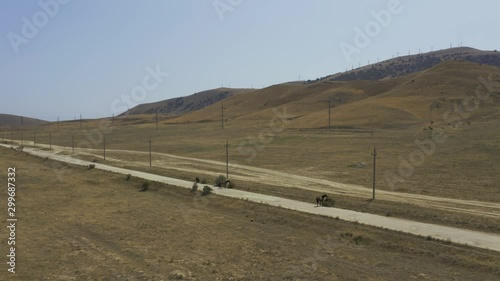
[329,113]
[58,122]
[104,139]
[80,120]
[34,139]
[374,169]
[22,120]
[227,159]
[12,138]
[222,116]
[73,143]
[113,123]
[50,140]
[22,139]
[150,162]
[157,119]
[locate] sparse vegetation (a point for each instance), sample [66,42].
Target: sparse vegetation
[129,176]
[91,166]
[194,188]
[207,190]
[220,181]
[329,202]
[144,187]
[358,239]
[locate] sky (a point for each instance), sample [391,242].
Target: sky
[63,58]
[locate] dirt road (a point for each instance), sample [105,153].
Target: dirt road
[461,236]
[270,177]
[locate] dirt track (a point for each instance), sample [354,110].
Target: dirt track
[473,238]
[259,175]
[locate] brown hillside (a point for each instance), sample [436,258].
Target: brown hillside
[7,120]
[182,105]
[412,99]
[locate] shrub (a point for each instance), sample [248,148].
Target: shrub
[329,202]
[357,239]
[128,177]
[230,184]
[220,181]
[206,190]
[203,181]
[91,166]
[144,187]
[195,187]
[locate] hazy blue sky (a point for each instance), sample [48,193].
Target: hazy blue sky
[91,56]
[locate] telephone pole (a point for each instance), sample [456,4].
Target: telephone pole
[157,119]
[227,159]
[104,140]
[374,170]
[329,113]
[50,140]
[34,139]
[150,162]
[73,143]
[222,116]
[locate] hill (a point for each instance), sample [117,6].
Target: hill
[412,99]
[182,105]
[7,120]
[414,63]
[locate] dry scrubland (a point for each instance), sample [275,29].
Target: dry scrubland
[100,225]
[92,225]
[390,114]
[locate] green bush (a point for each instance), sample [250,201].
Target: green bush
[207,190]
[220,181]
[230,184]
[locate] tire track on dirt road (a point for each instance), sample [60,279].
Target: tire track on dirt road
[259,175]
[456,235]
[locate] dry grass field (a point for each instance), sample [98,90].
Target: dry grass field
[393,115]
[79,224]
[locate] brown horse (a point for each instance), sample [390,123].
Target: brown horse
[320,200]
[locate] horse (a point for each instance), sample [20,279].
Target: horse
[320,200]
